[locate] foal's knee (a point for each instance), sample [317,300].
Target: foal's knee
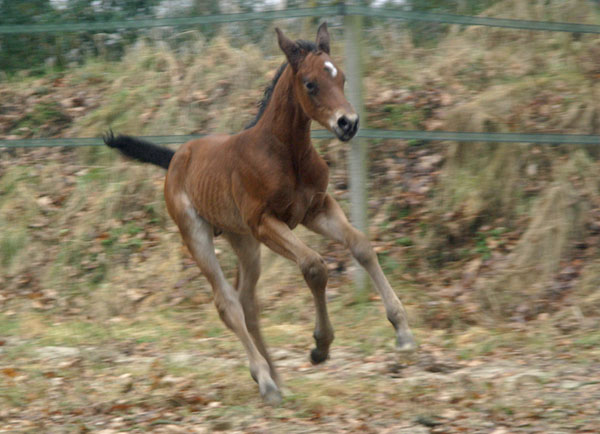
[362,250]
[314,271]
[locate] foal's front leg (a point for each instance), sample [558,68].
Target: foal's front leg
[331,222]
[278,236]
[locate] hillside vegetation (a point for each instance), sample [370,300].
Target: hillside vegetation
[492,247]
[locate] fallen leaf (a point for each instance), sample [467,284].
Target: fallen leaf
[10,372]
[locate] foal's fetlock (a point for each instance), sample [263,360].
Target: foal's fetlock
[405,340]
[321,352]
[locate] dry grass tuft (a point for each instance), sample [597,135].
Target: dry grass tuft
[587,292]
[557,219]
[211,87]
[575,11]
[469,192]
[503,81]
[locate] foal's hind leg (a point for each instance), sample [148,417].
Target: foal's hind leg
[247,249]
[332,222]
[278,236]
[198,235]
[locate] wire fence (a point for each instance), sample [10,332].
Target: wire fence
[422,136]
[318,11]
[321,11]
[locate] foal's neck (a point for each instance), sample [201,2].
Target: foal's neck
[284,116]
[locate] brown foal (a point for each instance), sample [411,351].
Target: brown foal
[256,186]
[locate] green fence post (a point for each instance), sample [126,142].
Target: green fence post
[358,146]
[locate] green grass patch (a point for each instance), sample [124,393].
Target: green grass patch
[8,325]
[11,243]
[44,117]
[75,333]
[403,116]
[389,264]
[404,241]
[588,340]
[13,177]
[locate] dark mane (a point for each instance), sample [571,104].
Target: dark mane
[264,102]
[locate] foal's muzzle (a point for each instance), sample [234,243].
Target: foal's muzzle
[346,127]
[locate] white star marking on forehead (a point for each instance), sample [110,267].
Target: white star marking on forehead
[329,66]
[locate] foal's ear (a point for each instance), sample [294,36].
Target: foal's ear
[323,38]
[292,51]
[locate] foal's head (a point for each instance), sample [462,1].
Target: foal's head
[319,84]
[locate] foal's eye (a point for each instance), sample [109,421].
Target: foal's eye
[311,87]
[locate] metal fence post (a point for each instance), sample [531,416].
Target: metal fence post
[358,146]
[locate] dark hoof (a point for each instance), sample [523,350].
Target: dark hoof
[317,356]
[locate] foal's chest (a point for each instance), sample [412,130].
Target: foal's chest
[304,201]
[307,193]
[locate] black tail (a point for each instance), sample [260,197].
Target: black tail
[140,150]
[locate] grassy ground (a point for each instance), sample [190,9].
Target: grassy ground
[175,369]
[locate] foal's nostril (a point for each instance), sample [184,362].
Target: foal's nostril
[344,123]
